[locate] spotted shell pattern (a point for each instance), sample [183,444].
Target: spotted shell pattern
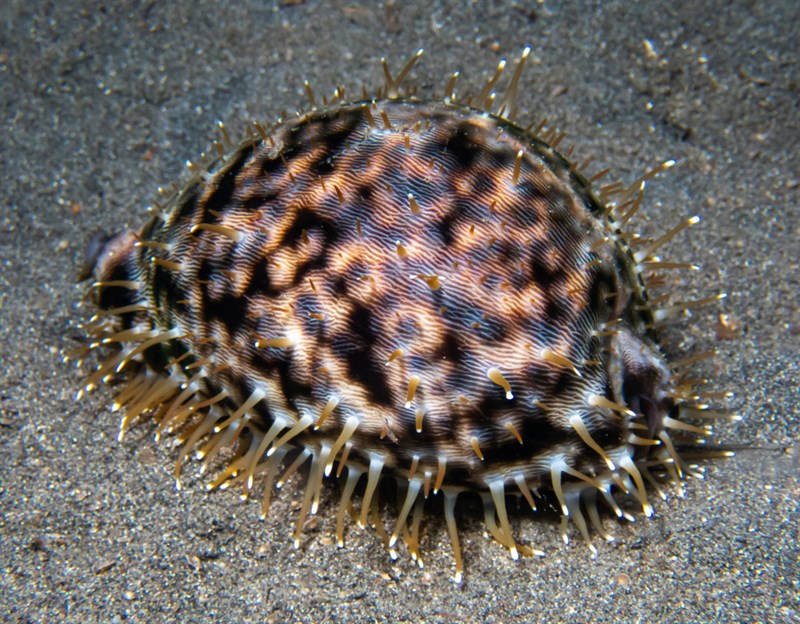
[400,288]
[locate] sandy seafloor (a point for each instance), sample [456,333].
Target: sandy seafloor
[103,102]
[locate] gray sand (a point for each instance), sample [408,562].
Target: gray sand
[104,103]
